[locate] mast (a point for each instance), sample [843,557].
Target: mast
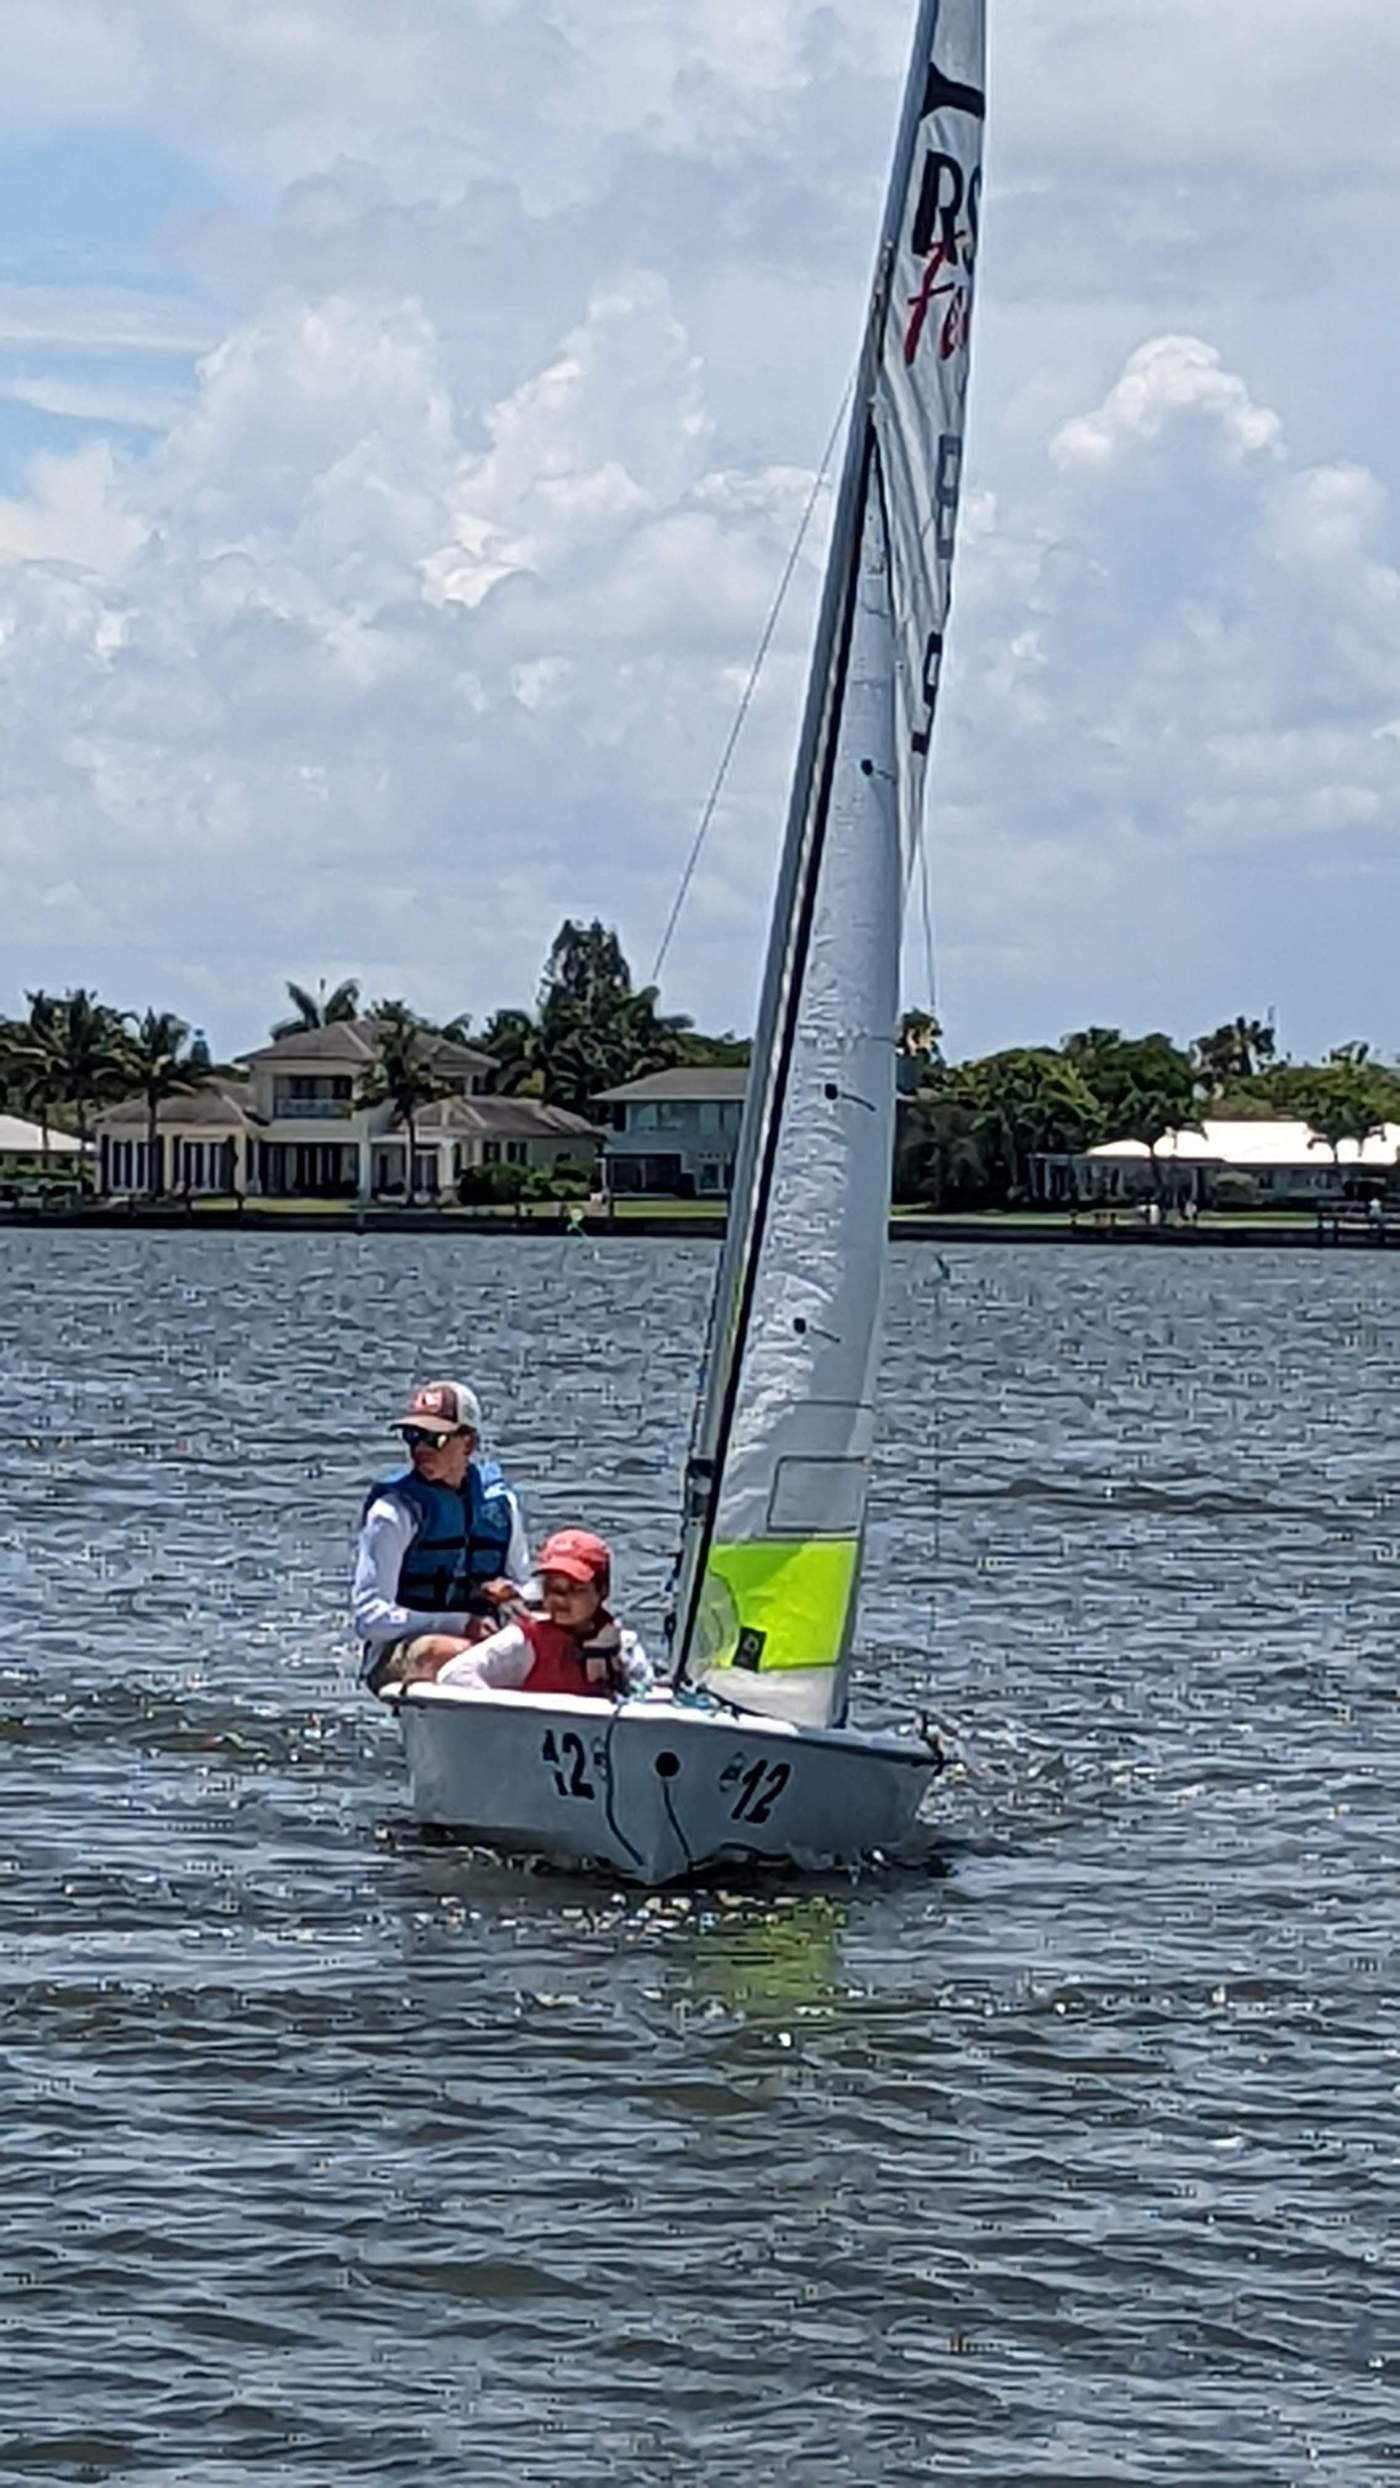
[795,894]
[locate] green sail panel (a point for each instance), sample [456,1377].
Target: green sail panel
[776,1604]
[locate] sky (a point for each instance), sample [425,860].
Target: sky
[407,408]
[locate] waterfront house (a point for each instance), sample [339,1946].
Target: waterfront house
[25,1145]
[204,1142]
[1277,1165]
[459,1135]
[316,1140]
[292,1129]
[675,1131]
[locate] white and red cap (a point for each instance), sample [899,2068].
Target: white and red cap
[442,1408]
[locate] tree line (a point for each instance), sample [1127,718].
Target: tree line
[971,1131]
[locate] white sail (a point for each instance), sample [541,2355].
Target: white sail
[920,403]
[780,1474]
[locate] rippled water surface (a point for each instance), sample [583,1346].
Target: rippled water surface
[1072,2158]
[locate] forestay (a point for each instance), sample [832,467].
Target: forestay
[780,1470]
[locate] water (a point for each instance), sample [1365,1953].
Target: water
[327,2157]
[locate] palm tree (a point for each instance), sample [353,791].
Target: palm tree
[1345,1100]
[32,1063]
[71,1054]
[319,1010]
[155,1065]
[512,1039]
[1150,1116]
[402,1073]
[30,1071]
[89,1056]
[1238,1051]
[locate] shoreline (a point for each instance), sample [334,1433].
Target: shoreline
[1248,1232]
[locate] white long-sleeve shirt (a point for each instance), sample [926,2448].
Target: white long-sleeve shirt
[504,1661]
[385,1538]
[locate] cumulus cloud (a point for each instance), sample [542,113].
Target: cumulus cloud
[74,514]
[1183,659]
[1164,383]
[420,696]
[423,615]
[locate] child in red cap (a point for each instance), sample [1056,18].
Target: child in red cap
[567,1644]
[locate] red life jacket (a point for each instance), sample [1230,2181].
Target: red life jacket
[562,1661]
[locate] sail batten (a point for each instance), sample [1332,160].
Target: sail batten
[780,1470]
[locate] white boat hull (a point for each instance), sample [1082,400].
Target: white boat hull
[654,1790]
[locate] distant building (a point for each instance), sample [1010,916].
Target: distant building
[460,1134]
[675,1132]
[292,1128]
[21,1142]
[204,1142]
[1283,1163]
[313,1139]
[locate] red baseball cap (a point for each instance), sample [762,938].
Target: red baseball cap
[577,1554]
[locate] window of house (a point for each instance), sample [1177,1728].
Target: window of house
[517,1153]
[313,1093]
[490,1153]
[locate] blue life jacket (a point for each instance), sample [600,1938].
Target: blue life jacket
[460,1541]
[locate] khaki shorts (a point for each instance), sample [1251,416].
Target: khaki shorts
[396,1665]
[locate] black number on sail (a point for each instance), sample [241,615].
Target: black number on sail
[566,1759]
[759,1790]
[933,667]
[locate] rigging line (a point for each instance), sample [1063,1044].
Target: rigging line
[750,688]
[926,898]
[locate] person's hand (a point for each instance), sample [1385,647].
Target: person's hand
[501,1593]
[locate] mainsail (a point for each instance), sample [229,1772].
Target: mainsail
[778,1479]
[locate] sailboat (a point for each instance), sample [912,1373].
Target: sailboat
[750,1753]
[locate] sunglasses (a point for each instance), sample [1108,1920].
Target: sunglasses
[413,1435]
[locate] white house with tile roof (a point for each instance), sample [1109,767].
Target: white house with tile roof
[204,1142]
[293,1129]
